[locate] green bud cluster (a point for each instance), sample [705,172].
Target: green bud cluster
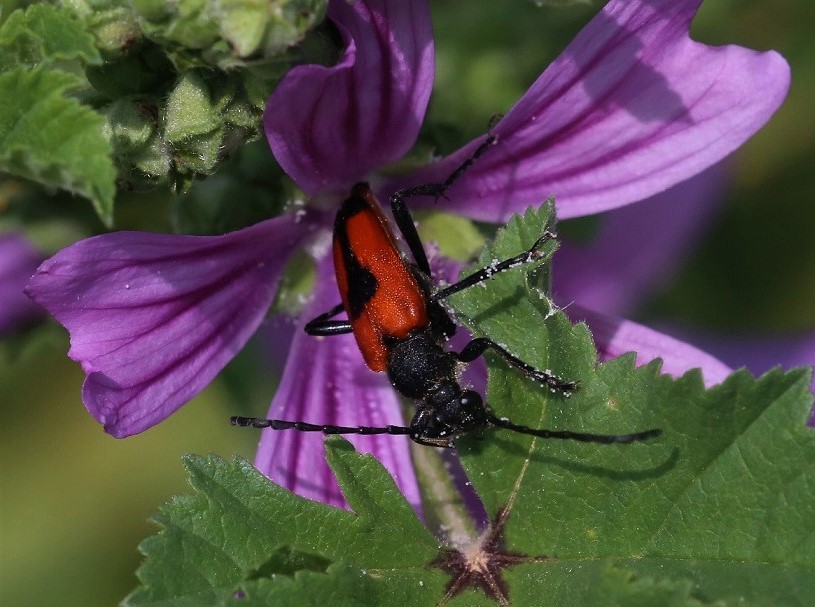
[153,91]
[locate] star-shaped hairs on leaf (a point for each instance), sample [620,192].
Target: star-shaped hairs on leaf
[480,565]
[631,107]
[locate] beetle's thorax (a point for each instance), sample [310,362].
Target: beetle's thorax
[419,367]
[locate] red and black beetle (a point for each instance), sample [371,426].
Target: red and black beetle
[393,309]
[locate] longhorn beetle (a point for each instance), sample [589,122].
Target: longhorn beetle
[394,311]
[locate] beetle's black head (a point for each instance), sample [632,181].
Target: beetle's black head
[448,413]
[466,412]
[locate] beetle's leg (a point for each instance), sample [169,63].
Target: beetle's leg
[405,220]
[533,254]
[323,326]
[477,346]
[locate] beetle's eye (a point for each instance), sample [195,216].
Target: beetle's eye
[470,400]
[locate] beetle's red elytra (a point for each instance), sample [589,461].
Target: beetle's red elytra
[380,292]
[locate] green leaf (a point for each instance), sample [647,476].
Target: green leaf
[724,498]
[53,139]
[214,544]
[46,136]
[170,88]
[720,510]
[43,33]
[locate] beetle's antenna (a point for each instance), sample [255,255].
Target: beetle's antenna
[279,424]
[605,439]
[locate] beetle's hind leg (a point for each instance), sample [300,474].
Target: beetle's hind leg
[479,345]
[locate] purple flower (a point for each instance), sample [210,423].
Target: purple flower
[18,260]
[638,249]
[762,352]
[630,108]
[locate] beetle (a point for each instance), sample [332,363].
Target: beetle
[395,313]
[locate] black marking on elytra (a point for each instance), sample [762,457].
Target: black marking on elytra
[362,284]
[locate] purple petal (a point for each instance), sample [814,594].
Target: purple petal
[615,336]
[762,352]
[638,248]
[447,271]
[154,317]
[326,382]
[18,261]
[630,108]
[330,126]
[274,338]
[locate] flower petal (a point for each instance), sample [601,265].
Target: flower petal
[154,317]
[326,382]
[18,260]
[762,352]
[638,248]
[631,107]
[448,271]
[330,126]
[615,336]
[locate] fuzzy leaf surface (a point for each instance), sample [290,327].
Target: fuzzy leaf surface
[53,139]
[241,534]
[42,34]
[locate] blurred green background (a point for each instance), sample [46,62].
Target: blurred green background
[74,502]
